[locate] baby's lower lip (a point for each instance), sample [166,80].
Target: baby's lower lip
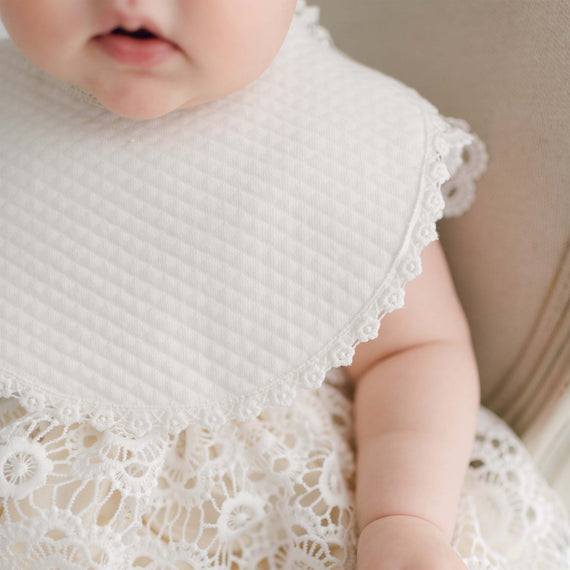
[146,52]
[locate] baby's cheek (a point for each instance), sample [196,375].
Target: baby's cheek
[234,41]
[48,32]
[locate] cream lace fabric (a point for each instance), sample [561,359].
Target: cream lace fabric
[275,492]
[271,488]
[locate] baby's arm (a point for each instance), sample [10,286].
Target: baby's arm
[416,400]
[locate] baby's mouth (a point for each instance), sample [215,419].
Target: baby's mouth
[140,34]
[136,47]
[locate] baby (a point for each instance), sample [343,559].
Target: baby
[416,385]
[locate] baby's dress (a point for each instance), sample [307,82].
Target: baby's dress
[106,460]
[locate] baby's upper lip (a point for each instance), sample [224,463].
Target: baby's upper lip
[131,23]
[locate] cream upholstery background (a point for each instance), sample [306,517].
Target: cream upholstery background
[502,65]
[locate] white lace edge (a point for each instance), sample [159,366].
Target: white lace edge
[444,136]
[459,191]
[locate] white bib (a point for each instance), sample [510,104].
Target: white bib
[202,266]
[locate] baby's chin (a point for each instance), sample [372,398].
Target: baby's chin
[143,104]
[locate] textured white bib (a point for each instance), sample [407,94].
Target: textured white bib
[210,263]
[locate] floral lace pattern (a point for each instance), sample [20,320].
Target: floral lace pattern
[201,499]
[276,492]
[509,517]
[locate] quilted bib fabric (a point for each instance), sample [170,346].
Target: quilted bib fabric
[211,263]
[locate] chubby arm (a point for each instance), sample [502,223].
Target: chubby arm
[416,400]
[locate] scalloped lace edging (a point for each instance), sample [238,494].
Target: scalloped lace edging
[466,166]
[443,139]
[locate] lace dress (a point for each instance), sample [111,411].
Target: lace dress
[275,492]
[269,489]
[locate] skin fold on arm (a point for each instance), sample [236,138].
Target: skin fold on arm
[417,394]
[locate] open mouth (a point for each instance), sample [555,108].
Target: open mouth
[140,34]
